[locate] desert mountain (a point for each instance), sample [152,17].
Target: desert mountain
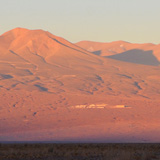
[147,54]
[42,49]
[51,89]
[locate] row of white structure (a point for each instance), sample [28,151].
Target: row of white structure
[99,106]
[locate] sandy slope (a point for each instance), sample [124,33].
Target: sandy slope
[42,78]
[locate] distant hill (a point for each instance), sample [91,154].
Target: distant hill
[147,54]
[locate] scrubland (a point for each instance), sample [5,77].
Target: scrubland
[79,151]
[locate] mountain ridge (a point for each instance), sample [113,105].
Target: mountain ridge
[110,49]
[39,43]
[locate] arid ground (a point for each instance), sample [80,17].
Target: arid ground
[80,151]
[54,90]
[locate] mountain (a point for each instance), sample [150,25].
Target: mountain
[52,89]
[147,54]
[42,49]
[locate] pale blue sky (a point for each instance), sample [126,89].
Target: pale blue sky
[76,20]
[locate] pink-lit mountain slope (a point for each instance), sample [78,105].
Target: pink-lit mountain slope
[53,90]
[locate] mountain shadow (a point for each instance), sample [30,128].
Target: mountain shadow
[98,53]
[41,88]
[5,76]
[137,56]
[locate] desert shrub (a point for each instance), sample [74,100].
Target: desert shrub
[50,150]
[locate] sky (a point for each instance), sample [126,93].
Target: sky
[136,21]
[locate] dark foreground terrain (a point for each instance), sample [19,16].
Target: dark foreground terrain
[79,151]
